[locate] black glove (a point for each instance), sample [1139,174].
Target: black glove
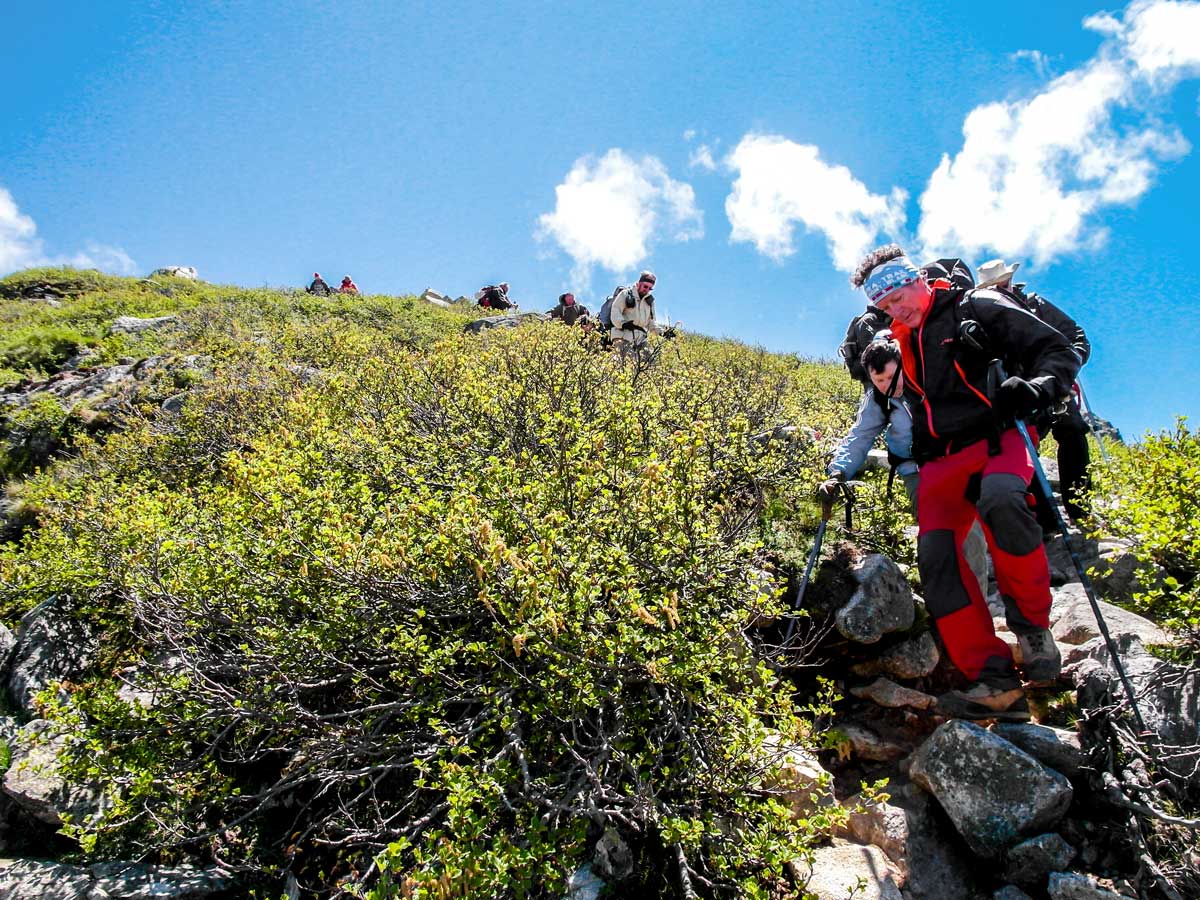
[828,489]
[1019,398]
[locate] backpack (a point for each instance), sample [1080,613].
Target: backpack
[861,331]
[955,271]
[606,309]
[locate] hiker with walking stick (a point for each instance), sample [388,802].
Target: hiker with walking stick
[975,465]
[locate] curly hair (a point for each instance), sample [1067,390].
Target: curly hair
[876,257]
[878,354]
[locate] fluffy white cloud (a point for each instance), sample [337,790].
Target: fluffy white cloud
[702,158]
[21,248]
[1033,173]
[611,210]
[19,245]
[781,183]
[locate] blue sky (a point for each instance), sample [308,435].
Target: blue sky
[748,154]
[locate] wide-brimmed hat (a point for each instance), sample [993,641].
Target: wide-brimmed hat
[995,271]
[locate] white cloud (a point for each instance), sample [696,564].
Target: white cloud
[781,183]
[21,248]
[702,158]
[689,135]
[1041,62]
[611,210]
[1032,174]
[19,245]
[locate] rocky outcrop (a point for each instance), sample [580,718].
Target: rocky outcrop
[995,793]
[846,870]
[28,879]
[1073,621]
[134,325]
[510,320]
[188,272]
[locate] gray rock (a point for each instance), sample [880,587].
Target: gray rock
[584,885]
[429,295]
[867,744]
[510,320]
[913,658]
[1118,574]
[611,857]
[1073,621]
[1030,862]
[52,645]
[994,792]
[1073,886]
[9,729]
[836,871]
[1168,697]
[936,861]
[134,325]
[33,782]
[188,272]
[797,777]
[174,404]
[28,879]
[882,604]
[1010,892]
[132,881]
[8,643]
[1054,747]
[887,693]
[882,825]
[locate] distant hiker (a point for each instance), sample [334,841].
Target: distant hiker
[347,286]
[974,465]
[568,310]
[494,296]
[318,286]
[883,407]
[632,312]
[1066,423]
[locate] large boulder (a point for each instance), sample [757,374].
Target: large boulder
[28,879]
[913,658]
[34,783]
[846,870]
[53,644]
[1031,862]
[1073,621]
[883,602]
[995,793]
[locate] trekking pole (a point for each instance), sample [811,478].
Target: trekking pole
[996,375]
[826,515]
[1090,419]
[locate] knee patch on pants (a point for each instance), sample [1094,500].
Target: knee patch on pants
[937,558]
[1005,511]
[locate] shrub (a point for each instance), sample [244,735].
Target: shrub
[1150,494]
[422,619]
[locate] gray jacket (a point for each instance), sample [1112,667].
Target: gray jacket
[868,425]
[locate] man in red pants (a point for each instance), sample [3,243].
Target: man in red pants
[974,464]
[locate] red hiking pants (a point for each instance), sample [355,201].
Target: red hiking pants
[953,492]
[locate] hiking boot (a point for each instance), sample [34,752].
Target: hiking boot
[1041,660]
[985,701]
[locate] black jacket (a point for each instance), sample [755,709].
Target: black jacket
[948,380]
[1055,318]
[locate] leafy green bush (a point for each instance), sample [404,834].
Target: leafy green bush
[432,620]
[31,434]
[1150,494]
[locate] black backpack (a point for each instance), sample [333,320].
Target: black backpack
[859,333]
[606,309]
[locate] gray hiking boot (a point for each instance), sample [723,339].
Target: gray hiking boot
[1041,660]
[985,701]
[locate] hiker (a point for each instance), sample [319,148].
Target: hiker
[319,286]
[632,313]
[347,286]
[883,410]
[494,296]
[569,311]
[974,465]
[1068,426]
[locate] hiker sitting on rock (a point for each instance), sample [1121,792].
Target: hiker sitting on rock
[883,407]
[318,286]
[633,313]
[347,286]
[974,464]
[1067,423]
[495,296]
[568,310]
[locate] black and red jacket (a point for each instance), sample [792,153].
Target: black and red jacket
[947,380]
